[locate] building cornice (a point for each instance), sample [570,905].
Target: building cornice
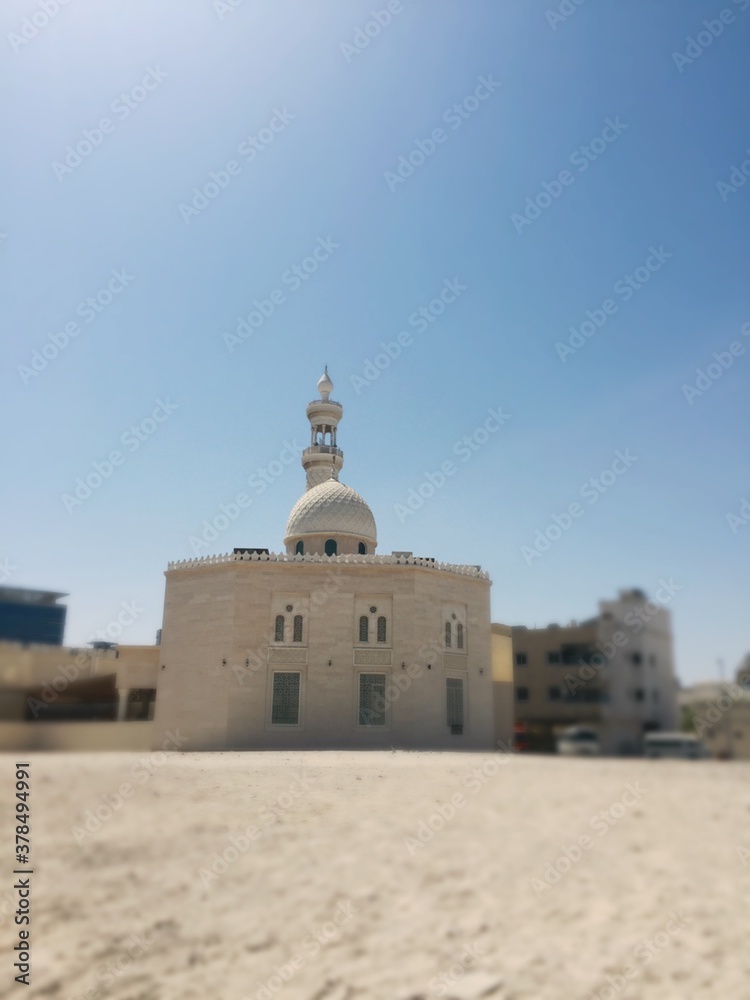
[475,572]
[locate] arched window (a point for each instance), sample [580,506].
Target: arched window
[331,547]
[459,636]
[362,549]
[364,629]
[278,631]
[297,629]
[300,549]
[448,636]
[381,629]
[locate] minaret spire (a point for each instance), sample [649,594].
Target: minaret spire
[323,459]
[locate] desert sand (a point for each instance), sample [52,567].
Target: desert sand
[391,876]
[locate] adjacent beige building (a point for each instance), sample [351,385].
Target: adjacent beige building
[328,643]
[614,672]
[720,714]
[72,696]
[502,684]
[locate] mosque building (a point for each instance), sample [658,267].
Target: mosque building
[328,644]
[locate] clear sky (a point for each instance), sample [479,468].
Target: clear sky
[304,113]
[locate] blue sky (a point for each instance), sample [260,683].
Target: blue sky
[316,124]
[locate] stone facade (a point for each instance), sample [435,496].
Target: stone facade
[327,644]
[222,645]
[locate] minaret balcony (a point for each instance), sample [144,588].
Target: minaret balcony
[322,449]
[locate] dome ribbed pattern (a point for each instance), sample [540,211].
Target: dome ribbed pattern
[331,508]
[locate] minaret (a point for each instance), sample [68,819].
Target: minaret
[323,459]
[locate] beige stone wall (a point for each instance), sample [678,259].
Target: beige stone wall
[538,675]
[502,684]
[219,654]
[23,666]
[75,736]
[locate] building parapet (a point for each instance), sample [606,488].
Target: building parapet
[360,560]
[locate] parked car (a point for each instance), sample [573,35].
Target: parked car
[578,741]
[520,738]
[683,746]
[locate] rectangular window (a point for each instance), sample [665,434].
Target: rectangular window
[285,702]
[372,699]
[553,656]
[553,692]
[522,694]
[454,691]
[520,659]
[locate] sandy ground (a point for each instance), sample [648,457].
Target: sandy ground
[329,893]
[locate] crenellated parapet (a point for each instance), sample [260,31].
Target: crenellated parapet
[349,559]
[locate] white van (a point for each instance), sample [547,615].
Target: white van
[578,741]
[684,746]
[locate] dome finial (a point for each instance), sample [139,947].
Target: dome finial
[325,385]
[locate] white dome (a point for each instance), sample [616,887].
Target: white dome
[331,508]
